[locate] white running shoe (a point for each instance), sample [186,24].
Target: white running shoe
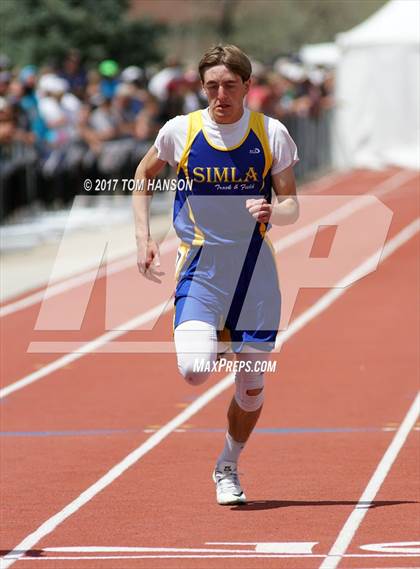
[228,487]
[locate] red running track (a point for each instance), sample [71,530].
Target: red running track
[344,384]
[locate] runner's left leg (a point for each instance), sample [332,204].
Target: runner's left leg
[246,405]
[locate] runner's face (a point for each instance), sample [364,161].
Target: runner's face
[225,91]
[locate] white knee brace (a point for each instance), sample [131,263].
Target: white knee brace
[244,382]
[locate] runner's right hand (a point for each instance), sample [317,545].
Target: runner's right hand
[148,258]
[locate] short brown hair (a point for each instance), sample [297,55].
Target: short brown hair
[228,55]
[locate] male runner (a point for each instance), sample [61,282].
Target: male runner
[226,275]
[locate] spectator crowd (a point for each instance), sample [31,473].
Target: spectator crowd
[59,125]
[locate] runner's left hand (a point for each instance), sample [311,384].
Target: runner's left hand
[260,209]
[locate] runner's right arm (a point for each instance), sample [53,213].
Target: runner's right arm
[147,248]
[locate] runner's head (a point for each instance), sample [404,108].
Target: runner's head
[225,73]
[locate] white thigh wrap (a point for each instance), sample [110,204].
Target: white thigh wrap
[196,347]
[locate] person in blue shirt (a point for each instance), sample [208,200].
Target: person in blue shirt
[29,104]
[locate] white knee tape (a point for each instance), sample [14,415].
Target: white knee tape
[247,381]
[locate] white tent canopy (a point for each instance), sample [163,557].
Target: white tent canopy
[377,119]
[396,22]
[325,54]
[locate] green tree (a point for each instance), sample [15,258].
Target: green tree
[36,31]
[265,29]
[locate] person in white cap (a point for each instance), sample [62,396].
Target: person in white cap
[58,108]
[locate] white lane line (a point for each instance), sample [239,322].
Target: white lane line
[113,549]
[289,547]
[356,517]
[203,556]
[288,241]
[119,265]
[48,526]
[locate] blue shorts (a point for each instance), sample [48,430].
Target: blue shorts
[233,287]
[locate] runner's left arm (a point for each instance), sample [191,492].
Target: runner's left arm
[285,208]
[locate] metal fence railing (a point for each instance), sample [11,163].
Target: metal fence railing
[313,140]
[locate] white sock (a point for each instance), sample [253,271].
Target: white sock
[231,450]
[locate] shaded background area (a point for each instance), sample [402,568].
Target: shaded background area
[86,85]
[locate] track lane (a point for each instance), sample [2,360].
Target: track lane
[100,415]
[289,506]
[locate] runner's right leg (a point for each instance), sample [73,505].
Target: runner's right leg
[196,348]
